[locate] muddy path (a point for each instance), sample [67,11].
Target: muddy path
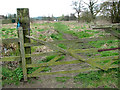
[69,36]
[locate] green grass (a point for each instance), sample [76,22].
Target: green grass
[93,79]
[109,53]
[61,28]
[62,79]
[81,34]
[97,44]
[9,33]
[83,27]
[15,76]
[11,76]
[110,43]
[62,46]
[57,36]
[40,30]
[42,36]
[77,27]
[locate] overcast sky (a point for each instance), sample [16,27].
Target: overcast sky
[38,7]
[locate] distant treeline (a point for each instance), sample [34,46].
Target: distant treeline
[10,18]
[61,18]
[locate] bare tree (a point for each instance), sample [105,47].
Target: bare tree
[111,8]
[115,11]
[94,8]
[106,10]
[77,6]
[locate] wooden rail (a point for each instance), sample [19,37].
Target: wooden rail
[82,42]
[111,29]
[70,71]
[72,62]
[10,58]
[11,40]
[108,49]
[42,54]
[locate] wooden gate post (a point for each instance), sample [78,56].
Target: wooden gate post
[119,58]
[22,50]
[0,53]
[23,20]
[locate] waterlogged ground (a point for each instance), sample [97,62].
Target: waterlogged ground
[51,31]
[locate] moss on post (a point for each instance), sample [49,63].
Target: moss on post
[24,20]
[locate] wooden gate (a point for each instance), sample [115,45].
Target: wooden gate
[95,63]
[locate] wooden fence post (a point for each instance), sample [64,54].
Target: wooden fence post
[22,50]
[23,20]
[0,53]
[119,58]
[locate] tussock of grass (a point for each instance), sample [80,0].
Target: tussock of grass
[57,36]
[107,79]
[62,46]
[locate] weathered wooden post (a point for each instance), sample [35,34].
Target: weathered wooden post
[0,52]
[23,20]
[119,57]
[22,52]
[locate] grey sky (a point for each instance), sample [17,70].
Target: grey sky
[38,7]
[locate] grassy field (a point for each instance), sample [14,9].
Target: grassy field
[51,31]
